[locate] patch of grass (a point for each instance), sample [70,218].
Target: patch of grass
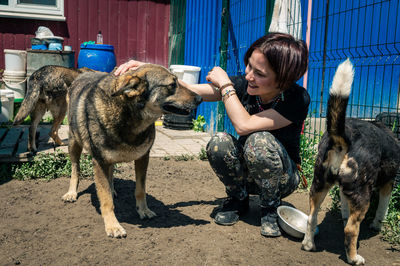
[334,193]
[308,154]
[391,228]
[50,166]
[203,154]
[184,157]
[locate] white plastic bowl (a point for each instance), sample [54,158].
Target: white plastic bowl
[293,221]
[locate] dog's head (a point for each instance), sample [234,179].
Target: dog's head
[156,88]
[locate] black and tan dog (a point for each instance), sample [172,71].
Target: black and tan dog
[360,157]
[47,90]
[113,119]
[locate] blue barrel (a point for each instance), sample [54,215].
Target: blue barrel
[99,57]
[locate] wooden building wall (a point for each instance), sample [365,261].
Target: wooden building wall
[136,28]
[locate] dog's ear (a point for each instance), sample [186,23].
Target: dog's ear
[129,85]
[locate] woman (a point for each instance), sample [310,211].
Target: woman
[267,109]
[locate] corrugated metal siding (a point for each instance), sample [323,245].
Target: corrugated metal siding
[203,30]
[177,32]
[247,24]
[202,36]
[367,32]
[136,29]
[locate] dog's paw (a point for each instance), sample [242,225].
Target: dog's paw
[376,225]
[70,197]
[116,231]
[60,143]
[56,139]
[358,260]
[146,213]
[308,245]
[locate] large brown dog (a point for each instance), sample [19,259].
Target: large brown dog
[360,156]
[113,119]
[47,90]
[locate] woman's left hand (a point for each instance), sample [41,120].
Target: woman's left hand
[130,65]
[218,77]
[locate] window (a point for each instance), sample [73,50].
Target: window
[33,9]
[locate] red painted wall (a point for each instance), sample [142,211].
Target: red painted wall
[137,29]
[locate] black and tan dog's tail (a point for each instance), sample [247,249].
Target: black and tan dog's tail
[337,103]
[29,103]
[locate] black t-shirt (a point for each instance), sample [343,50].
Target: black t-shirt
[294,107]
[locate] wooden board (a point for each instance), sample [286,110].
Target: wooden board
[14,143]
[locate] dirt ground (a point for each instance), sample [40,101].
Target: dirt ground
[37,228]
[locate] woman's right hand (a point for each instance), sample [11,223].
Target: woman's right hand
[218,77]
[130,65]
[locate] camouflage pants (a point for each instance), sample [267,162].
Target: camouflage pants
[262,166]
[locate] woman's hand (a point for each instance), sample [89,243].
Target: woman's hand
[218,77]
[130,65]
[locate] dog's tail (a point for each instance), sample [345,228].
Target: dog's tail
[337,103]
[29,102]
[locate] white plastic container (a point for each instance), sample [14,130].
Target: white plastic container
[189,74]
[7,105]
[17,84]
[15,62]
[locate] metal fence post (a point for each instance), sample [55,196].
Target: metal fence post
[223,61]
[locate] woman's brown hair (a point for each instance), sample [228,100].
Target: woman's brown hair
[287,56]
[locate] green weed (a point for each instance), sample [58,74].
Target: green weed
[199,123]
[184,157]
[308,153]
[49,166]
[203,154]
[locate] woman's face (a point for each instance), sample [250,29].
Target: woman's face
[260,76]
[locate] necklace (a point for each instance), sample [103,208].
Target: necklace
[274,102]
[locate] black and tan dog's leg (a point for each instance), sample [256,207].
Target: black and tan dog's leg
[140,189]
[316,199]
[58,111]
[351,232]
[111,181]
[36,116]
[344,207]
[112,226]
[75,151]
[383,205]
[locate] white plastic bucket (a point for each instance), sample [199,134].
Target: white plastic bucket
[7,105]
[189,74]
[17,84]
[15,61]
[14,74]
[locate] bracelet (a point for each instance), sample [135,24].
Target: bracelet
[228,94]
[225,85]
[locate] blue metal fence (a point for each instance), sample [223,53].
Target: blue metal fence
[203,24]
[367,32]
